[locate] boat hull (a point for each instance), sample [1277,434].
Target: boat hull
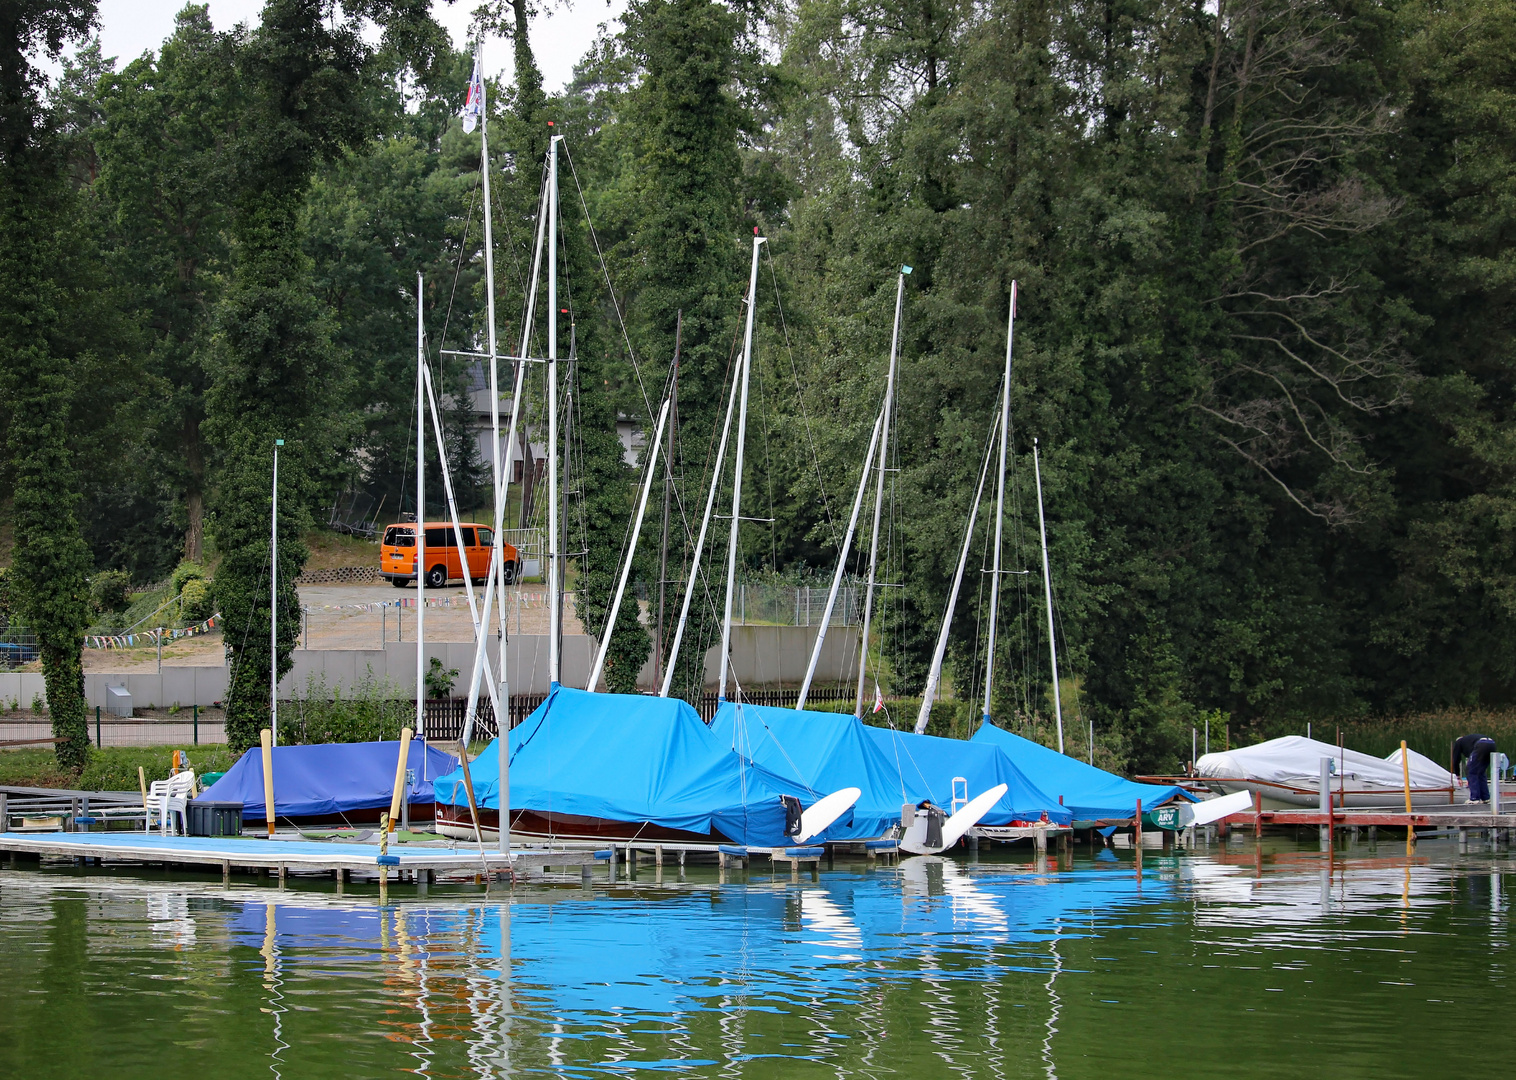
[455,822]
[1277,796]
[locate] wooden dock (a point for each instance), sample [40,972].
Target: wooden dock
[343,860]
[1453,817]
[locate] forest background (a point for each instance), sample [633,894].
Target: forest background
[1264,342]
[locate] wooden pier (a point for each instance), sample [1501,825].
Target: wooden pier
[1457,816]
[295,854]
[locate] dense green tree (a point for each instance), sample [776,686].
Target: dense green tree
[38,364]
[308,81]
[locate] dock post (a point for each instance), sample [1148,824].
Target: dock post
[282,874]
[1326,801]
[1137,827]
[1463,841]
[5,824]
[226,872]
[1040,837]
[658,855]
[1257,817]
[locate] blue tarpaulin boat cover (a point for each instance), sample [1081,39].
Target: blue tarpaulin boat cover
[329,778]
[631,758]
[1092,794]
[927,764]
[824,752]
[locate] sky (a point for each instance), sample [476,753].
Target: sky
[130,27]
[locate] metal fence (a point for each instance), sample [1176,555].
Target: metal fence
[186,729]
[794,605]
[17,648]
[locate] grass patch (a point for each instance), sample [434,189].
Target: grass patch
[111,768]
[1430,733]
[334,550]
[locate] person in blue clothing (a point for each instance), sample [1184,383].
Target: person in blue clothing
[1477,749]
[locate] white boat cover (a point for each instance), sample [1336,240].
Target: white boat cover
[1295,761]
[1424,771]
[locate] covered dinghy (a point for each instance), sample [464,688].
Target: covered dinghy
[927,764]
[331,780]
[1287,772]
[823,752]
[1091,794]
[623,766]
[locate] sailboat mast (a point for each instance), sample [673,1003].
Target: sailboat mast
[668,497]
[1047,587]
[884,460]
[420,514]
[631,551]
[555,552]
[273,610]
[934,675]
[705,524]
[847,546]
[731,545]
[1005,436]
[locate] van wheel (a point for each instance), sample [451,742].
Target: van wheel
[509,574]
[436,577]
[400,582]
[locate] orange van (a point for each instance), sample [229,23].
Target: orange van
[397,554]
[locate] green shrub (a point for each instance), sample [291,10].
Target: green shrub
[440,680]
[370,711]
[196,601]
[185,572]
[38,704]
[110,591]
[114,768]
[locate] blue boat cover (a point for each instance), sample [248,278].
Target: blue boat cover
[1092,794]
[329,778]
[927,765]
[823,751]
[632,758]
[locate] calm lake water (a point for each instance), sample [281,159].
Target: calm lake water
[1219,962]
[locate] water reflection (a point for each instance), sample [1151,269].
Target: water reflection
[929,968]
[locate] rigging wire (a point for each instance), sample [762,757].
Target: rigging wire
[826,502]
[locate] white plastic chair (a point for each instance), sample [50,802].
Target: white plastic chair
[165,798]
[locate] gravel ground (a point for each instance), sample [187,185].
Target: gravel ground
[333,622]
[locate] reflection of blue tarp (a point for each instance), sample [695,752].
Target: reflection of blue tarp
[329,778]
[625,757]
[634,959]
[927,765]
[1089,792]
[823,751]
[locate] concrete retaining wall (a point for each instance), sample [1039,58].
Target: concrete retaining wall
[762,656]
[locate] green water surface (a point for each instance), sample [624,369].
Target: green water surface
[1225,962]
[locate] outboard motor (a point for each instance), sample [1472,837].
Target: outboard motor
[792,812]
[934,819]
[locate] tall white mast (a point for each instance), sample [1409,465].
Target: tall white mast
[705,522]
[420,515]
[497,551]
[884,461]
[934,675]
[1047,587]
[631,550]
[273,616]
[731,545]
[1005,436]
[847,546]
[555,548]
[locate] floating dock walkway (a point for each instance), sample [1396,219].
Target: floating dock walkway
[341,859]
